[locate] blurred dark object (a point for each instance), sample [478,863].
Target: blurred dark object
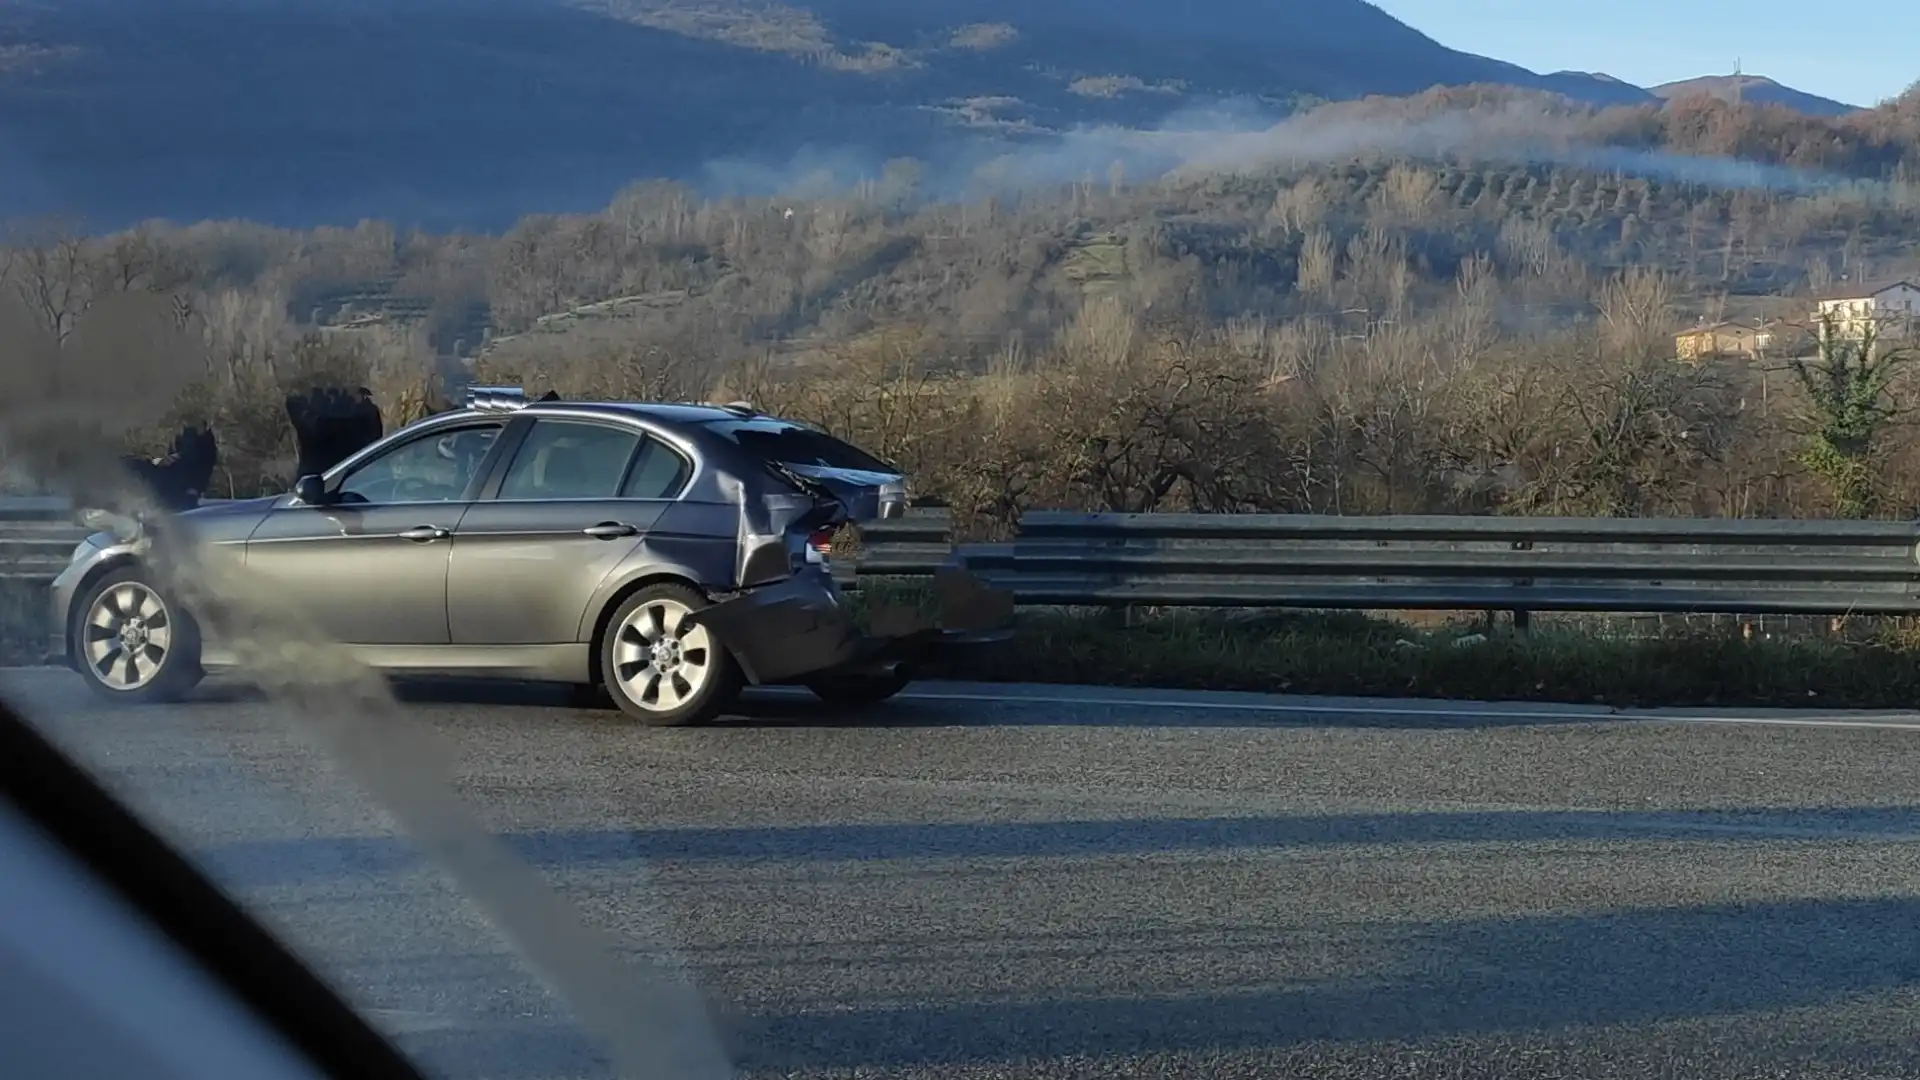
[330,425]
[178,480]
[106,925]
[551,395]
[965,605]
[969,604]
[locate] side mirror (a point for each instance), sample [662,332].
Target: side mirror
[312,490]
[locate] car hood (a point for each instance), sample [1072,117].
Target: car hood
[229,522]
[224,508]
[224,520]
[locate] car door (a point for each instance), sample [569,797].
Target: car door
[578,497]
[371,568]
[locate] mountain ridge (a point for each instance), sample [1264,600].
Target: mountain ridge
[1757,89]
[453,113]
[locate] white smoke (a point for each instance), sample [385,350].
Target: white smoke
[70,401]
[1238,136]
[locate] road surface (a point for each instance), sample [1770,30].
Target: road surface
[1053,882]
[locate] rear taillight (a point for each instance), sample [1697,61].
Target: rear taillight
[820,545]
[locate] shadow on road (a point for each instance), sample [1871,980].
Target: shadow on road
[287,862]
[1519,978]
[1463,978]
[787,707]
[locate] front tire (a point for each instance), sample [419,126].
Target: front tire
[659,670]
[131,644]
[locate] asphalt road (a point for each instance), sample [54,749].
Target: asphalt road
[1055,882]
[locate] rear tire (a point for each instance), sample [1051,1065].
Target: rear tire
[660,671]
[132,644]
[857,691]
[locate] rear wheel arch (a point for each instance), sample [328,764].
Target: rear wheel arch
[677,674]
[604,617]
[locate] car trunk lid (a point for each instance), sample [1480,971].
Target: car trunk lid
[820,465]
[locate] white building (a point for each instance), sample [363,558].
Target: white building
[1892,307]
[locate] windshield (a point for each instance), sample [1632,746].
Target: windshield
[1411,568]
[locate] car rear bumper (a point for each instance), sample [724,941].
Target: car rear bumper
[801,627]
[786,630]
[919,649]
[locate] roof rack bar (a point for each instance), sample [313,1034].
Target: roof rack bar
[496,398]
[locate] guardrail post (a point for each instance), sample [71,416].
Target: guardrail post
[1522,618]
[1116,544]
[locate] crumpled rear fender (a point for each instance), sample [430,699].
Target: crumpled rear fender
[764,525]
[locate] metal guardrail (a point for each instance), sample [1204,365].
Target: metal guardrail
[38,532]
[30,508]
[915,545]
[36,551]
[1447,563]
[1625,565]
[920,545]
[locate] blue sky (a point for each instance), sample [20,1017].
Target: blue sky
[1655,41]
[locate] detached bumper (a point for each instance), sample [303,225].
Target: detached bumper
[786,630]
[926,647]
[802,627]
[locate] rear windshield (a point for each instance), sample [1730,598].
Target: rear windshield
[791,444]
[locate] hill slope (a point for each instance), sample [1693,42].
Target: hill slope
[473,112]
[1755,89]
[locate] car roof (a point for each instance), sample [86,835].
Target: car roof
[666,412]
[686,414]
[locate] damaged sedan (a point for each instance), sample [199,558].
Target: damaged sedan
[667,555]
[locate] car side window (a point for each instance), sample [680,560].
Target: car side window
[433,468]
[566,460]
[659,473]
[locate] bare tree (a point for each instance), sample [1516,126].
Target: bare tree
[50,270]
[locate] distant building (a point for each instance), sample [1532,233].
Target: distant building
[1892,307]
[1723,339]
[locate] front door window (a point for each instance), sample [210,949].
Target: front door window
[434,468]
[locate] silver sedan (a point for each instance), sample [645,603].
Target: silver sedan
[668,553]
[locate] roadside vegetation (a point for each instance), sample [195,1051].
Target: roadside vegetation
[1864,665]
[1379,334]
[1367,336]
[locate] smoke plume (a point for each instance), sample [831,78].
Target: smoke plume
[80,375]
